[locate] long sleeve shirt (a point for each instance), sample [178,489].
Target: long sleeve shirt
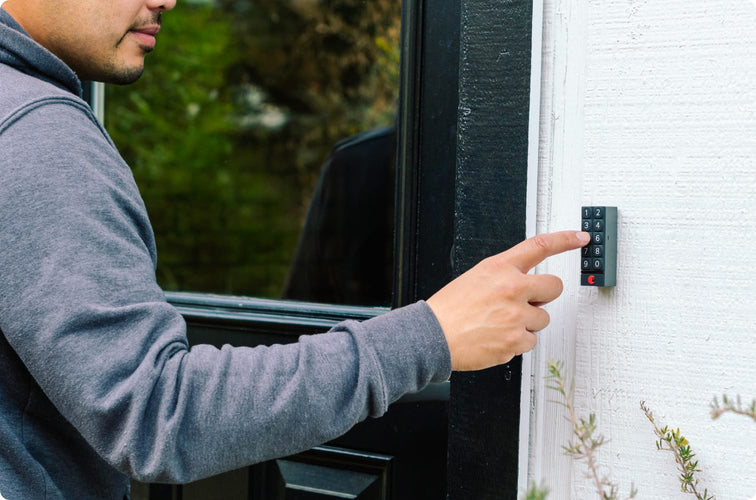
[98,381]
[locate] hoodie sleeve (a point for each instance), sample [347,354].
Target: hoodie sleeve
[80,306]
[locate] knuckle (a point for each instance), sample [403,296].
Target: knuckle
[541,242]
[512,289]
[497,263]
[503,274]
[490,263]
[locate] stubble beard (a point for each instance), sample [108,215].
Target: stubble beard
[122,75]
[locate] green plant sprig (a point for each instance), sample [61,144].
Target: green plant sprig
[674,441]
[536,492]
[586,442]
[729,406]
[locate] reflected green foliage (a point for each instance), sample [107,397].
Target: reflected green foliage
[227,129]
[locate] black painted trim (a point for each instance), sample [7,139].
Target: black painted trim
[427,147]
[491,191]
[247,321]
[408,139]
[249,312]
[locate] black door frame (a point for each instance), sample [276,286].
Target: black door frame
[490,216]
[464,178]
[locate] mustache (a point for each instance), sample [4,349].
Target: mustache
[152,20]
[143,22]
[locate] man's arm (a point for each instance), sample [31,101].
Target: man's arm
[80,307]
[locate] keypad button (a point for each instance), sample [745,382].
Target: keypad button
[597,238]
[587,264]
[597,264]
[598,225]
[598,212]
[587,251]
[587,213]
[587,279]
[595,250]
[588,225]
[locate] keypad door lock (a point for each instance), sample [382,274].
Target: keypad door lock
[598,264]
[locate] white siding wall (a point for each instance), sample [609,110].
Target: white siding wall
[650,105]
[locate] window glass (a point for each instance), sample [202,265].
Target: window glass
[261,136]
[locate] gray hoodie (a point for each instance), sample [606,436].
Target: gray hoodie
[98,381]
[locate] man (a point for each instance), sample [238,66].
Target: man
[98,381]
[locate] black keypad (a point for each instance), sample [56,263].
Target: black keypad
[598,260]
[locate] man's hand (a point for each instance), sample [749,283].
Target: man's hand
[489,313]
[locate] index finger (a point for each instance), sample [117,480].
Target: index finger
[529,253]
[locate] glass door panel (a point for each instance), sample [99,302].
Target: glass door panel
[262,137]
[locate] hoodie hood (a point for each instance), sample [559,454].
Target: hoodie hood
[18,50]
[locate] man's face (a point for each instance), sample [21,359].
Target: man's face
[101,40]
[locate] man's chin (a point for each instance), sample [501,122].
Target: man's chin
[125,76]
[115,74]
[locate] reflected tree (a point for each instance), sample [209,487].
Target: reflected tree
[229,125]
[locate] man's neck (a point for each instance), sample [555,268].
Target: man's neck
[27,13]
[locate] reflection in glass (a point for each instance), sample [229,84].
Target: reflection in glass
[235,123]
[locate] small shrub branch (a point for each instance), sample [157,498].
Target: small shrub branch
[677,443]
[586,443]
[727,405]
